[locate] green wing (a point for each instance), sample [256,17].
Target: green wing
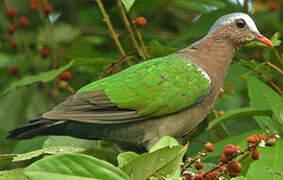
[150,89]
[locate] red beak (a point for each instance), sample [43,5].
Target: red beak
[261,38]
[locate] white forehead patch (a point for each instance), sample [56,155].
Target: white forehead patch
[229,18]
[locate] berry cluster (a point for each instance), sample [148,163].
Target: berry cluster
[36,5]
[273,5]
[229,164]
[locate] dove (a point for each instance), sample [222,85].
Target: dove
[165,96]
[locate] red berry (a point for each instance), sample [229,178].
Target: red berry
[65,76]
[23,22]
[233,174]
[187,175]
[140,21]
[255,154]
[234,166]
[239,149]
[222,168]
[262,137]
[11,28]
[223,158]
[253,139]
[209,147]
[44,52]
[220,113]
[198,177]
[14,44]
[34,8]
[230,149]
[211,176]
[11,12]
[48,9]
[43,2]
[14,70]
[198,165]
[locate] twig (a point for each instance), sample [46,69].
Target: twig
[275,67]
[141,40]
[278,56]
[128,27]
[112,31]
[246,6]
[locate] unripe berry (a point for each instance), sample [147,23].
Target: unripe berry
[23,22]
[140,21]
[198,165]
[211,176]
[255,154]
[11,29]
[44,52]
[62,84]
[65,76]
[230,149]
[11,12]
[209,147]
[220,113]
[14,44]
[48,9]
[223,158]
[14,70]
[234,166]
[198,177]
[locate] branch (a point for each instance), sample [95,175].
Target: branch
[141,40]
[112,31]
[128,27]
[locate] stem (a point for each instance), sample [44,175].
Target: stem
[278,56]
[246,6]
[112,31]
[141,40]
[130,31]
[273,66]
[191,161]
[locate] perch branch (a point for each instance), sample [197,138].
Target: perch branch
[112,31]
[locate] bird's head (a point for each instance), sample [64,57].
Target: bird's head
[239,28]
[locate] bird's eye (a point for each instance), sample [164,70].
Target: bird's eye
[240,23]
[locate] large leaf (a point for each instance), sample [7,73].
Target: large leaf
[128,4]
[73,167]
[269,166]
[164,162]
[164,142]
[239,113]
[263,96]
[14,174]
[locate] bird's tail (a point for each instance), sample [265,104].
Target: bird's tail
[38,127]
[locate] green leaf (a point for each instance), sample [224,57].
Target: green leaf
[239,113]
[48,151]
[275,39]
[128,4]
[164,162]
[262,96]
[73,167]
[240,178]
[269,165]
[6,158]
[42,77]
[14,174]
[165,141]
[125,158]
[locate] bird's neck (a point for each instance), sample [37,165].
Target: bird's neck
[213,55]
